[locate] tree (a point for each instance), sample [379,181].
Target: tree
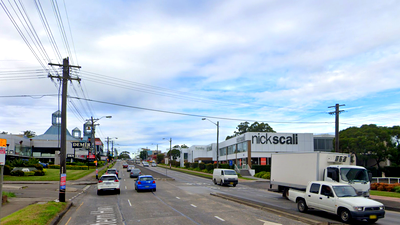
[29,133]
[175,153]
[160,157]
[184,146]
[255,127]
[394,152]
[367,142]
[143,154]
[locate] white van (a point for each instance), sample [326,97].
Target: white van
[225,176]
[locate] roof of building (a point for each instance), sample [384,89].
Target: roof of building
[53,133]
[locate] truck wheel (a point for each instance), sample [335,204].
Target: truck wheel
[345,215]
[285,193]
[215,182]
[222,183]
[302,206]
[234,185]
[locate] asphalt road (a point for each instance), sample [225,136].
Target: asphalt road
[184,200]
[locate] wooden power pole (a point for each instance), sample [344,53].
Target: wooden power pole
[336,112]
[63,148]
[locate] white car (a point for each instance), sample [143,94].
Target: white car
[108,182]
[145,164]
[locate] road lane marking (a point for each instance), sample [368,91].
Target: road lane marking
[178,198]
[193,205]
[219,218]
[125,187]
[129,203]
[269,223]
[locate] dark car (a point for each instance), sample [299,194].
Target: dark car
[135,173]
[145,182]
[112,171]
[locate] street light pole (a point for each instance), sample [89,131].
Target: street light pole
[216,124]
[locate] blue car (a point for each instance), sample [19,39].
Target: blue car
[145,182]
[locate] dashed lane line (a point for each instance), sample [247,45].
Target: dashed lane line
[219,218]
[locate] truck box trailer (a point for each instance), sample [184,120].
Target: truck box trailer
[296,170]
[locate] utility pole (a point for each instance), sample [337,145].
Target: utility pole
[63,148]
[336,112]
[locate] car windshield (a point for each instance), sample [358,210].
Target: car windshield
[230,172]
[146,179]
[354,175]
[345,191]
[107,178]
[135,170]
[111,171]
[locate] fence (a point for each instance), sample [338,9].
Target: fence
[387,180]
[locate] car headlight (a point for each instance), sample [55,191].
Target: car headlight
[358,208]
[381,207]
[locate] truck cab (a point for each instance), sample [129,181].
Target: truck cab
[356,176]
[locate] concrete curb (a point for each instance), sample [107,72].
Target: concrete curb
[282,212]
[57,219]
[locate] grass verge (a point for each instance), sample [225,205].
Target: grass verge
[51,175]
[36,214]
[385,194]
[9,194]
[196,173]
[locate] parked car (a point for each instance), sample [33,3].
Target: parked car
[112,171]
[130,167]
[108,182]
[135,173]
[153,164]
[145,182]
[146,164]
[45,165]
[125,165]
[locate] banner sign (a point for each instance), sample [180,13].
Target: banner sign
[63,182]
[3,150]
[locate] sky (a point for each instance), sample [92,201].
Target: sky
[159,67]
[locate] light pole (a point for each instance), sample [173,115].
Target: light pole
[93,121]
[112,142]
[216,124]
[170,143]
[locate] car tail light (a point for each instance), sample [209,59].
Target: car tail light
[116,180]
[100,181]
[139,182]
[154,181]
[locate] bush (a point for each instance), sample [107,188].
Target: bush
[205,171]
[30,173]
[210,167]
[7,169]
[260,168]
[187,165]
[260,174]
[194,165]
[17,173]
[39,173]
[267,176]
[38,166]
[397,189]
[374,186]
[202,166]
[197,169]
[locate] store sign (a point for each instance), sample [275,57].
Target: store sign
[275,139]
[80,144]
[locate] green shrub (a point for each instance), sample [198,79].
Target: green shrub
[17,173]
[205,171]
[197,169]
[7,169]
[397,189]
[187,165]
[195,165]
[210,167]
[260,168]
[38,166]
[202,166]
[267,175]
[30,173]
[260,174]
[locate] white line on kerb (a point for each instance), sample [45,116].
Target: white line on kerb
[129,203]
[219,218]
[193,205]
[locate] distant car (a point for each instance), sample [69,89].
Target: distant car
[130,167]
[112,171]
[45,165]
[145,182]
[125,165]
[135,173]
[153,164]
[108,182]
[146,164]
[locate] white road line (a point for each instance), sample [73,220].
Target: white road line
[129,203]
[193,205]
[269,223]
[125,187]
[178,198]
[219,218]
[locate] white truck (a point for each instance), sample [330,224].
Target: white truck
[339,199]
[295,170]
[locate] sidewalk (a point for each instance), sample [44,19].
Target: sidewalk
[48,192]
